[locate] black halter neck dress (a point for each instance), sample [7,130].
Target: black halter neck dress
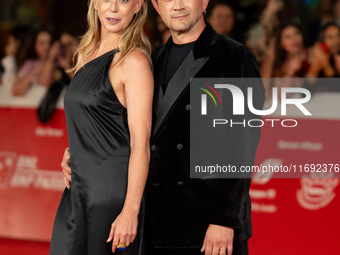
[99,143]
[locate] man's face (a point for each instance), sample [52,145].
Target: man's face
[180,15]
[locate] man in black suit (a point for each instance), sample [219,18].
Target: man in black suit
[189,216]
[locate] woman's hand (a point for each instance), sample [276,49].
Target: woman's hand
[123,229]
[294,65]
[54,51]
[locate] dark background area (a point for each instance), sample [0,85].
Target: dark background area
[58,15]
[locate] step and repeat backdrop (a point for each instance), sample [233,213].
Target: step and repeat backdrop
[290,215]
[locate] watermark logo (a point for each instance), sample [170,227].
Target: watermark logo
[239,100]
[230,116]
[204,98]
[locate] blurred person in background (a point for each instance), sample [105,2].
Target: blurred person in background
[56,73]
[221,18]
[35,59]
[260,34]
[327,53]
[14,51]
[327,11]
[60,59]
[287,55]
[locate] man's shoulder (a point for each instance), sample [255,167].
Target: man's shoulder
[225,45]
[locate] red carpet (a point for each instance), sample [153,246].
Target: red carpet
[20,247]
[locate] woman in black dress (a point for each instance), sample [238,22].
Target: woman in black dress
[108,108]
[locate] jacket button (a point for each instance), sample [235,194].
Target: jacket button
[153,147]
[179,146]
[180,184]
[188,107]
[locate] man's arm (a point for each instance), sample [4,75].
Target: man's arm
[65,165]
[227,206]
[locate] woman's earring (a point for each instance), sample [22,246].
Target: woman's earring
[204,13]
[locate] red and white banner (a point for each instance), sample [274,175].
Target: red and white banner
[30,174]
[297,216]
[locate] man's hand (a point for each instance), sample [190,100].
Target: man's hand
[65,165]
[218,240]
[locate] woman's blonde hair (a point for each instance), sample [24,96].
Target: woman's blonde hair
[132,38]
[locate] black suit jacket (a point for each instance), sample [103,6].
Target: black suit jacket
[181,208]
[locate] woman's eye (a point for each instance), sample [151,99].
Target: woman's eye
[123,1]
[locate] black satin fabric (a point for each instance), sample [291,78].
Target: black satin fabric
[99,143]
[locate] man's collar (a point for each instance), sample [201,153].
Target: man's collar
[202,43]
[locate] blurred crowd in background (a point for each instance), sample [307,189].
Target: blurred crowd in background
[289,39]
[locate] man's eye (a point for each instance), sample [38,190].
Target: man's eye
[123,1]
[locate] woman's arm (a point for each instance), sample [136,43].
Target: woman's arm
[23,82]
[136,75]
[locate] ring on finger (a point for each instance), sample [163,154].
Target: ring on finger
[121,246]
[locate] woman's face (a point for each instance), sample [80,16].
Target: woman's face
[116,15]
[291,40]
[43,45]
[332,39]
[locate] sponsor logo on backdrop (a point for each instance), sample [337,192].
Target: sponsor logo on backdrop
[300,145]
[316,191]
[49,132]
[258,195]
[21,171]
[6,167]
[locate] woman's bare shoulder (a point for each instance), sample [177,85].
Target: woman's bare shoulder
[136,58]
[136,63]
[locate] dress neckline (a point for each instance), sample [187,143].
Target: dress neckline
[96,59]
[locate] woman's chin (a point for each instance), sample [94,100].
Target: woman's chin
[114,29]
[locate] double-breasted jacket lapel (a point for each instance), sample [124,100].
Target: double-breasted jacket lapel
[159,62]
[190,66]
